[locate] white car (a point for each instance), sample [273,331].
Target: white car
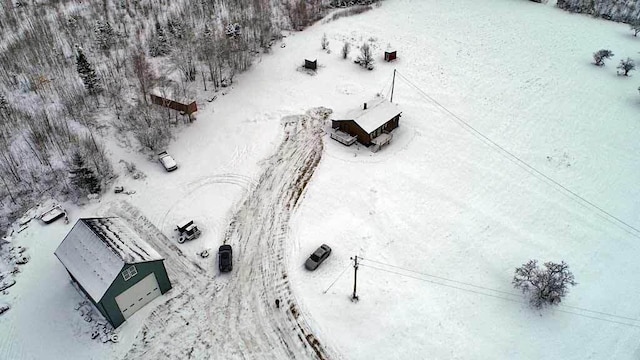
[167,161]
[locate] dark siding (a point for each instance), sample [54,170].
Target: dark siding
[392,124]
[108,302]
[97,305]
[351,128]
[81,288]
[389,55]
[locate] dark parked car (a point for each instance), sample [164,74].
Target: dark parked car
[318,256]
[225,258]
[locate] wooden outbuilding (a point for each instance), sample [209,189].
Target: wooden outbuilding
[371,124]
[113,266]
[311,64]
[389,56]
[184,108]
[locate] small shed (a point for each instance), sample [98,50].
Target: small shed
[389,56]
[311,64]
[116,269]
[371,124]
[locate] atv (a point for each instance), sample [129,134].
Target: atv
[187,230]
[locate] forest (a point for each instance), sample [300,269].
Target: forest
[617,10]
[77,73]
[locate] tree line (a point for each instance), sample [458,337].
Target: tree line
[72,72]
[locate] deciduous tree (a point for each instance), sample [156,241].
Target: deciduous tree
[626,65]
[545,286]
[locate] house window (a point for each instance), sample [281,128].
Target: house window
[129,272]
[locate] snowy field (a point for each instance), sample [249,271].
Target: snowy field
[440,218]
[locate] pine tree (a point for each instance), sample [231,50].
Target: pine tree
[4,104]
[345,50]
[105,37]
[81,176]
[601,55]
[87,73]
[324,42]
[158,45]
[175,29]
[366,57]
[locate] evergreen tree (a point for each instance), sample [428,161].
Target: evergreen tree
[158,45]
[366,57]
[105,37]
[81,176]
[87,73]
[4,104]
[345,50]
[175,29]
[324,42]
[601,55]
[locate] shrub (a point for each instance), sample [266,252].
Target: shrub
[626,65]
[601,55]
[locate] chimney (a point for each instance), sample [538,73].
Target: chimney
[365,106]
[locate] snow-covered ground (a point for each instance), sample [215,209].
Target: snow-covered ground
[435,205]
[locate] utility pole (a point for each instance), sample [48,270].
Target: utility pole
[393,83]
[354,297]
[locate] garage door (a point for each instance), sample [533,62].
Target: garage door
[138,296]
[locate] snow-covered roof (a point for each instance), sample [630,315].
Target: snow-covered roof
[378,112]
[96,249]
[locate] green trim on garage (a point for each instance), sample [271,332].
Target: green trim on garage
[108,306]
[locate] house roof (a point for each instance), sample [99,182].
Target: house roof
[378,112]
[96,249]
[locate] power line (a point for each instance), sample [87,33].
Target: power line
[530,169]
[443,278]
[442,284]
[488,289]
[498,297]
[338,278]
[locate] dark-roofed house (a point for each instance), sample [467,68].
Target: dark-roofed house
[117,270]
[370,125]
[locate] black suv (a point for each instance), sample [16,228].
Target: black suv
[225,258]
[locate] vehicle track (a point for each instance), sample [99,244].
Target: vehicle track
[234,315]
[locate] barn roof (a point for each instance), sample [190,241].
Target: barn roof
[378,112]
[96,249]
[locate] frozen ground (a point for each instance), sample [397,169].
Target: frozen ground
[436,201]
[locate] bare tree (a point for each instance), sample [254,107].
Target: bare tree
[636,28]
[626,65]
[143,72]
[601,55]
[545,286]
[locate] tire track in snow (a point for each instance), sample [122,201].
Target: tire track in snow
[234,315]
[244,182]
[193,289]
[258,232]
